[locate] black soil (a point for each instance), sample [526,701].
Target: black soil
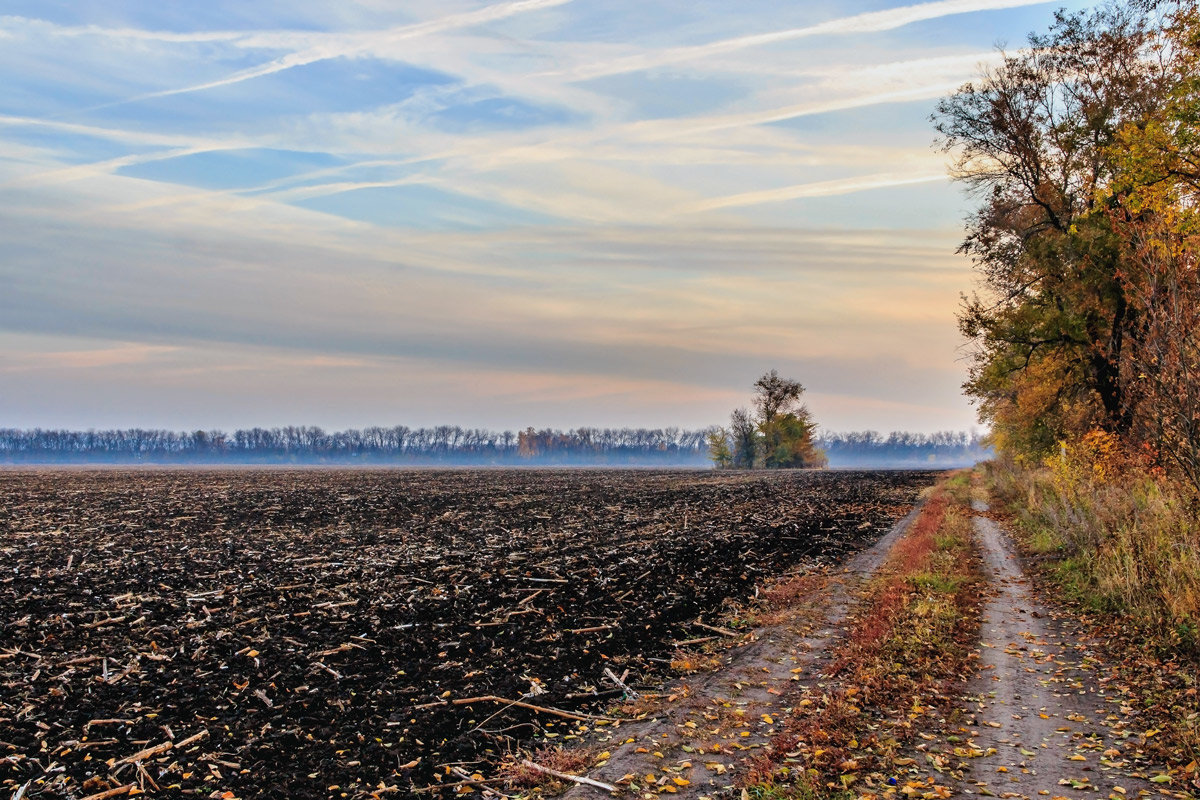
[312,626]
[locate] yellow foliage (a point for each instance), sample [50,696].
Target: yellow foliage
[1095,458]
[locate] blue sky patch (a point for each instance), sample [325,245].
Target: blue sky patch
[239,169]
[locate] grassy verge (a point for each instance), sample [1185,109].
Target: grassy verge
[897,672]
[1123,547]
[1118,542]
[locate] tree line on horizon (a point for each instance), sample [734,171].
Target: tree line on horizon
[453,445]
[1084,152]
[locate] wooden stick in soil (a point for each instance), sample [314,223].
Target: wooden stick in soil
[690,642]
[142,755]
[191,739]
[469,779]
[608,787]
[714,629]
[437,787]
[529,599]
[126,789]
[558,712]
[612,676]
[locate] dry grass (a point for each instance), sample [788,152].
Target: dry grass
[1120,542]
[572,761]
[793,600]
[691,662]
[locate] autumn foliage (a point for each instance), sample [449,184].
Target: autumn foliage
[778,434]
[1085,151]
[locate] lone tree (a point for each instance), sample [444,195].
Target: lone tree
[779,434]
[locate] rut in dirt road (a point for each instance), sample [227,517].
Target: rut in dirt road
[697,747]
[1043,723]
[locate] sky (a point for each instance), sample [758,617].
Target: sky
[485,213]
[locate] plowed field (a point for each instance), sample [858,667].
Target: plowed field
[296,634]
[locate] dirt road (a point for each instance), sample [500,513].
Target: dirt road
[1043,717]
[698,745]
[1042,722]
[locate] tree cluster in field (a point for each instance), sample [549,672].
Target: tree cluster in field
[453,446]
[779,434]
[1084,149]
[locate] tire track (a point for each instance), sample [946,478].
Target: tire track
[1041,721]
[722,718]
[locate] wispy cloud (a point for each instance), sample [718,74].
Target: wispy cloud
[11,25]
[125,135]
[121,354]
[870,22]
[831,188]
[98,168]
[352,45]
